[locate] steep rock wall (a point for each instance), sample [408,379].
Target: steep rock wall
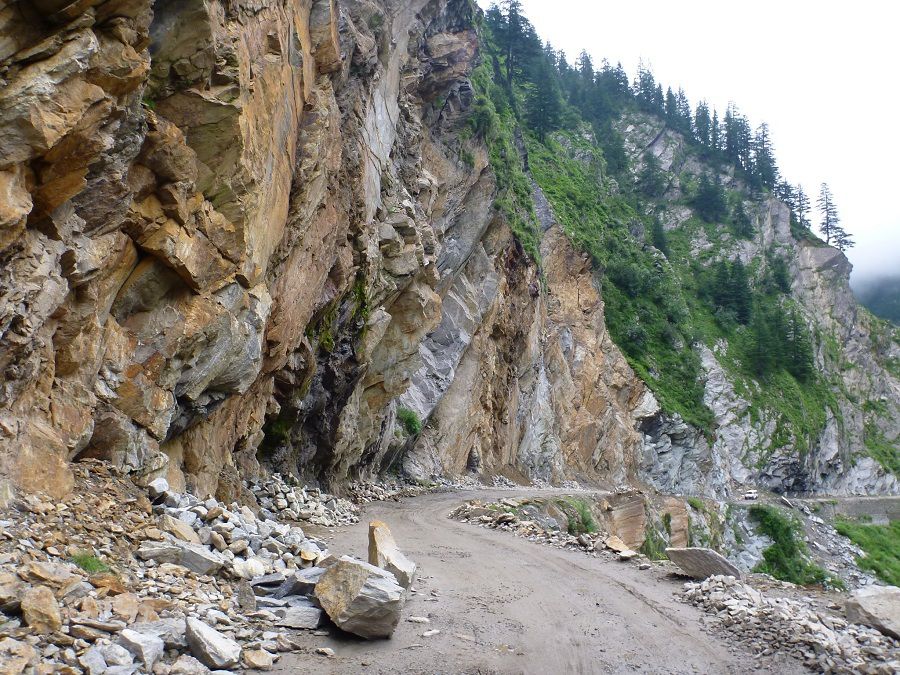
[190,185]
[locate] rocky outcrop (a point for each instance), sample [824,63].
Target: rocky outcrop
[198,197]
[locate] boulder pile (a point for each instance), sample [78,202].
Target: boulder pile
[286,499]
[120,579]
[823,642]
[524,520]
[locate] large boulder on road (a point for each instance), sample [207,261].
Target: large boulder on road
[702,562]
[383,553]
[360,598]
[876,606]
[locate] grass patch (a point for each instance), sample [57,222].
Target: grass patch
[881,544]
[90,563]
[787,558]
[494,120]
[578,513]
[881,449]
[410,421]
[697,504]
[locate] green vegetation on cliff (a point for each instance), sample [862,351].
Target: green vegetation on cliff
[881,544]
[665,236]
[787,558]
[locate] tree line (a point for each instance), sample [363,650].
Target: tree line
[600,95]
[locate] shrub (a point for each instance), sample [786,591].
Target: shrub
[410,421]
[786,559]
[696,504]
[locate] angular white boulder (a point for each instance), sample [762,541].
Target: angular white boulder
[360,598]
[384,553]
[876,606]
[211,647]
[145,647]
[702,562]
[196,558]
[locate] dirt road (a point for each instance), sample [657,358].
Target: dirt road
[507,605]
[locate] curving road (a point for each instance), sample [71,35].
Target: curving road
[507,605]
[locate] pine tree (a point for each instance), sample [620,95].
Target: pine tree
[709,201]
[543,105]
[651,181]
[742,300]
[843,240]
[764,166]
[703,125]
[798,352]
[743,228]
[802,205]
[830,221]
[715,133]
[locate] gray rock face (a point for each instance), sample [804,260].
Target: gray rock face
[211,647]
[702,562]
[361,598]
[876,606]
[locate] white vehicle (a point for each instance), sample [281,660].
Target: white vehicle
[751,494]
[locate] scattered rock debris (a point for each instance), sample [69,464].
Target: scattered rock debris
[121,579]
[824,642]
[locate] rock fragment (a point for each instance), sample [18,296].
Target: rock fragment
[211,647]
[146,648]
[41,610]
[876,606]
[384,553]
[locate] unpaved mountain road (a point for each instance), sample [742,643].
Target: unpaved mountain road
[507,605]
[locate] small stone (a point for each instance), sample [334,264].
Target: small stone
[418,619]
[178,529]
[325,651]
[306,617]
[188,665]
[157,488]
[430,633]
[93,662]
[258,659]
[116,655]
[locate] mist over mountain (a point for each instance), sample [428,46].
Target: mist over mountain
[881,295]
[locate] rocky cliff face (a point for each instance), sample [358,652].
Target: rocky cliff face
[242,232]
[190,191]
[855,357]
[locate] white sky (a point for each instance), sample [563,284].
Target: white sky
[824,75]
